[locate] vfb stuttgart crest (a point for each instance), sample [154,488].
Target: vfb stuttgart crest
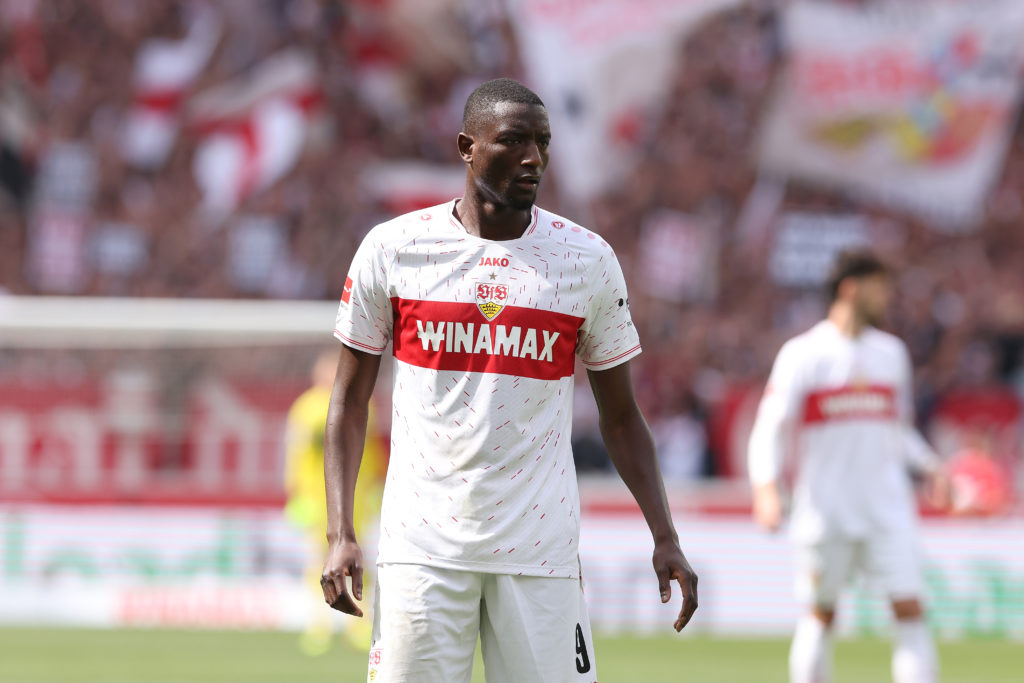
[491,298]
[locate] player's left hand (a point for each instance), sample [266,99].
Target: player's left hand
[670,565]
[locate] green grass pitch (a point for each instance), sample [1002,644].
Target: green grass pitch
[161,656]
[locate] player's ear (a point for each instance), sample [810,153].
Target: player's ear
[466,143]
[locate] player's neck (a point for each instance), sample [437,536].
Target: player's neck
[846,320]
[492,221]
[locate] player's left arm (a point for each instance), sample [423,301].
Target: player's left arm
[631,447]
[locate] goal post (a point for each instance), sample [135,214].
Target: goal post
[151,400]
[75,322]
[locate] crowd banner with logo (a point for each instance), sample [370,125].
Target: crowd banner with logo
[974,577]
[601,66]
[678,258]
[910,104]
[242,568]
[806,245]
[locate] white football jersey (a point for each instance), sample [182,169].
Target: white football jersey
[844,406]
[484,336]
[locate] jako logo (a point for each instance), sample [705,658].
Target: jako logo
[494,261]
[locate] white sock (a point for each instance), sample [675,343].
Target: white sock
[810,655]
[913,655]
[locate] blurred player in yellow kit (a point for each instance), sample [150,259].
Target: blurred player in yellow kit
[306,506]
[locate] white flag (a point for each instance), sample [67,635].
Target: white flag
[253,129]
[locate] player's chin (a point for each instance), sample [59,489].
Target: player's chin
[521,198]
[875,318]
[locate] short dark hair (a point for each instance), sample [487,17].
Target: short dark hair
[856,263]
[486,95]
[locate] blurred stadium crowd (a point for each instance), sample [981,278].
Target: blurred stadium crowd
[104,193]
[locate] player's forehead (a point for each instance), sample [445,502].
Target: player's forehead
[875,285]
[882,277]
[509,116]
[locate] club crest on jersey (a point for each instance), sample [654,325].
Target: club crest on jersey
[491,298]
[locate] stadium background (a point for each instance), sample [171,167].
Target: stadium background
[222,161]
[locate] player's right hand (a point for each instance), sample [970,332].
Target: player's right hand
[344,558]
[768,506]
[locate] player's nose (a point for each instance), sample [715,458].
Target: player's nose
[534,157]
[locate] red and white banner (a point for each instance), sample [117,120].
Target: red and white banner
[601,67]
[908,103]
[107,442]
[254,129]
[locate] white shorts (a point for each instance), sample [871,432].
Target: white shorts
[426,621]
[890,563]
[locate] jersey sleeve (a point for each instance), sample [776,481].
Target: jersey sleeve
[365,317]
[777,414]
[607,336]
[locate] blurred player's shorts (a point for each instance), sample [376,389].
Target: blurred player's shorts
[891,564]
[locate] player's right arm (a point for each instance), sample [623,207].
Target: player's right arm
[772,434]
[363,325]
[343,452]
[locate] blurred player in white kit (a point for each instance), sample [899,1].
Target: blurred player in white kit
[840,398]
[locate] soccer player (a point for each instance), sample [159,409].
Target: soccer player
[306,505]
[840,396]
[486,299]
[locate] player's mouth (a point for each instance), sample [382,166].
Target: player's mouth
[528,181]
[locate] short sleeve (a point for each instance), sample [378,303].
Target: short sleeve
[365,317]
[785,392]
[777,413]
[607,336]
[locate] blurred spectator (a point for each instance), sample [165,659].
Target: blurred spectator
[979,485]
